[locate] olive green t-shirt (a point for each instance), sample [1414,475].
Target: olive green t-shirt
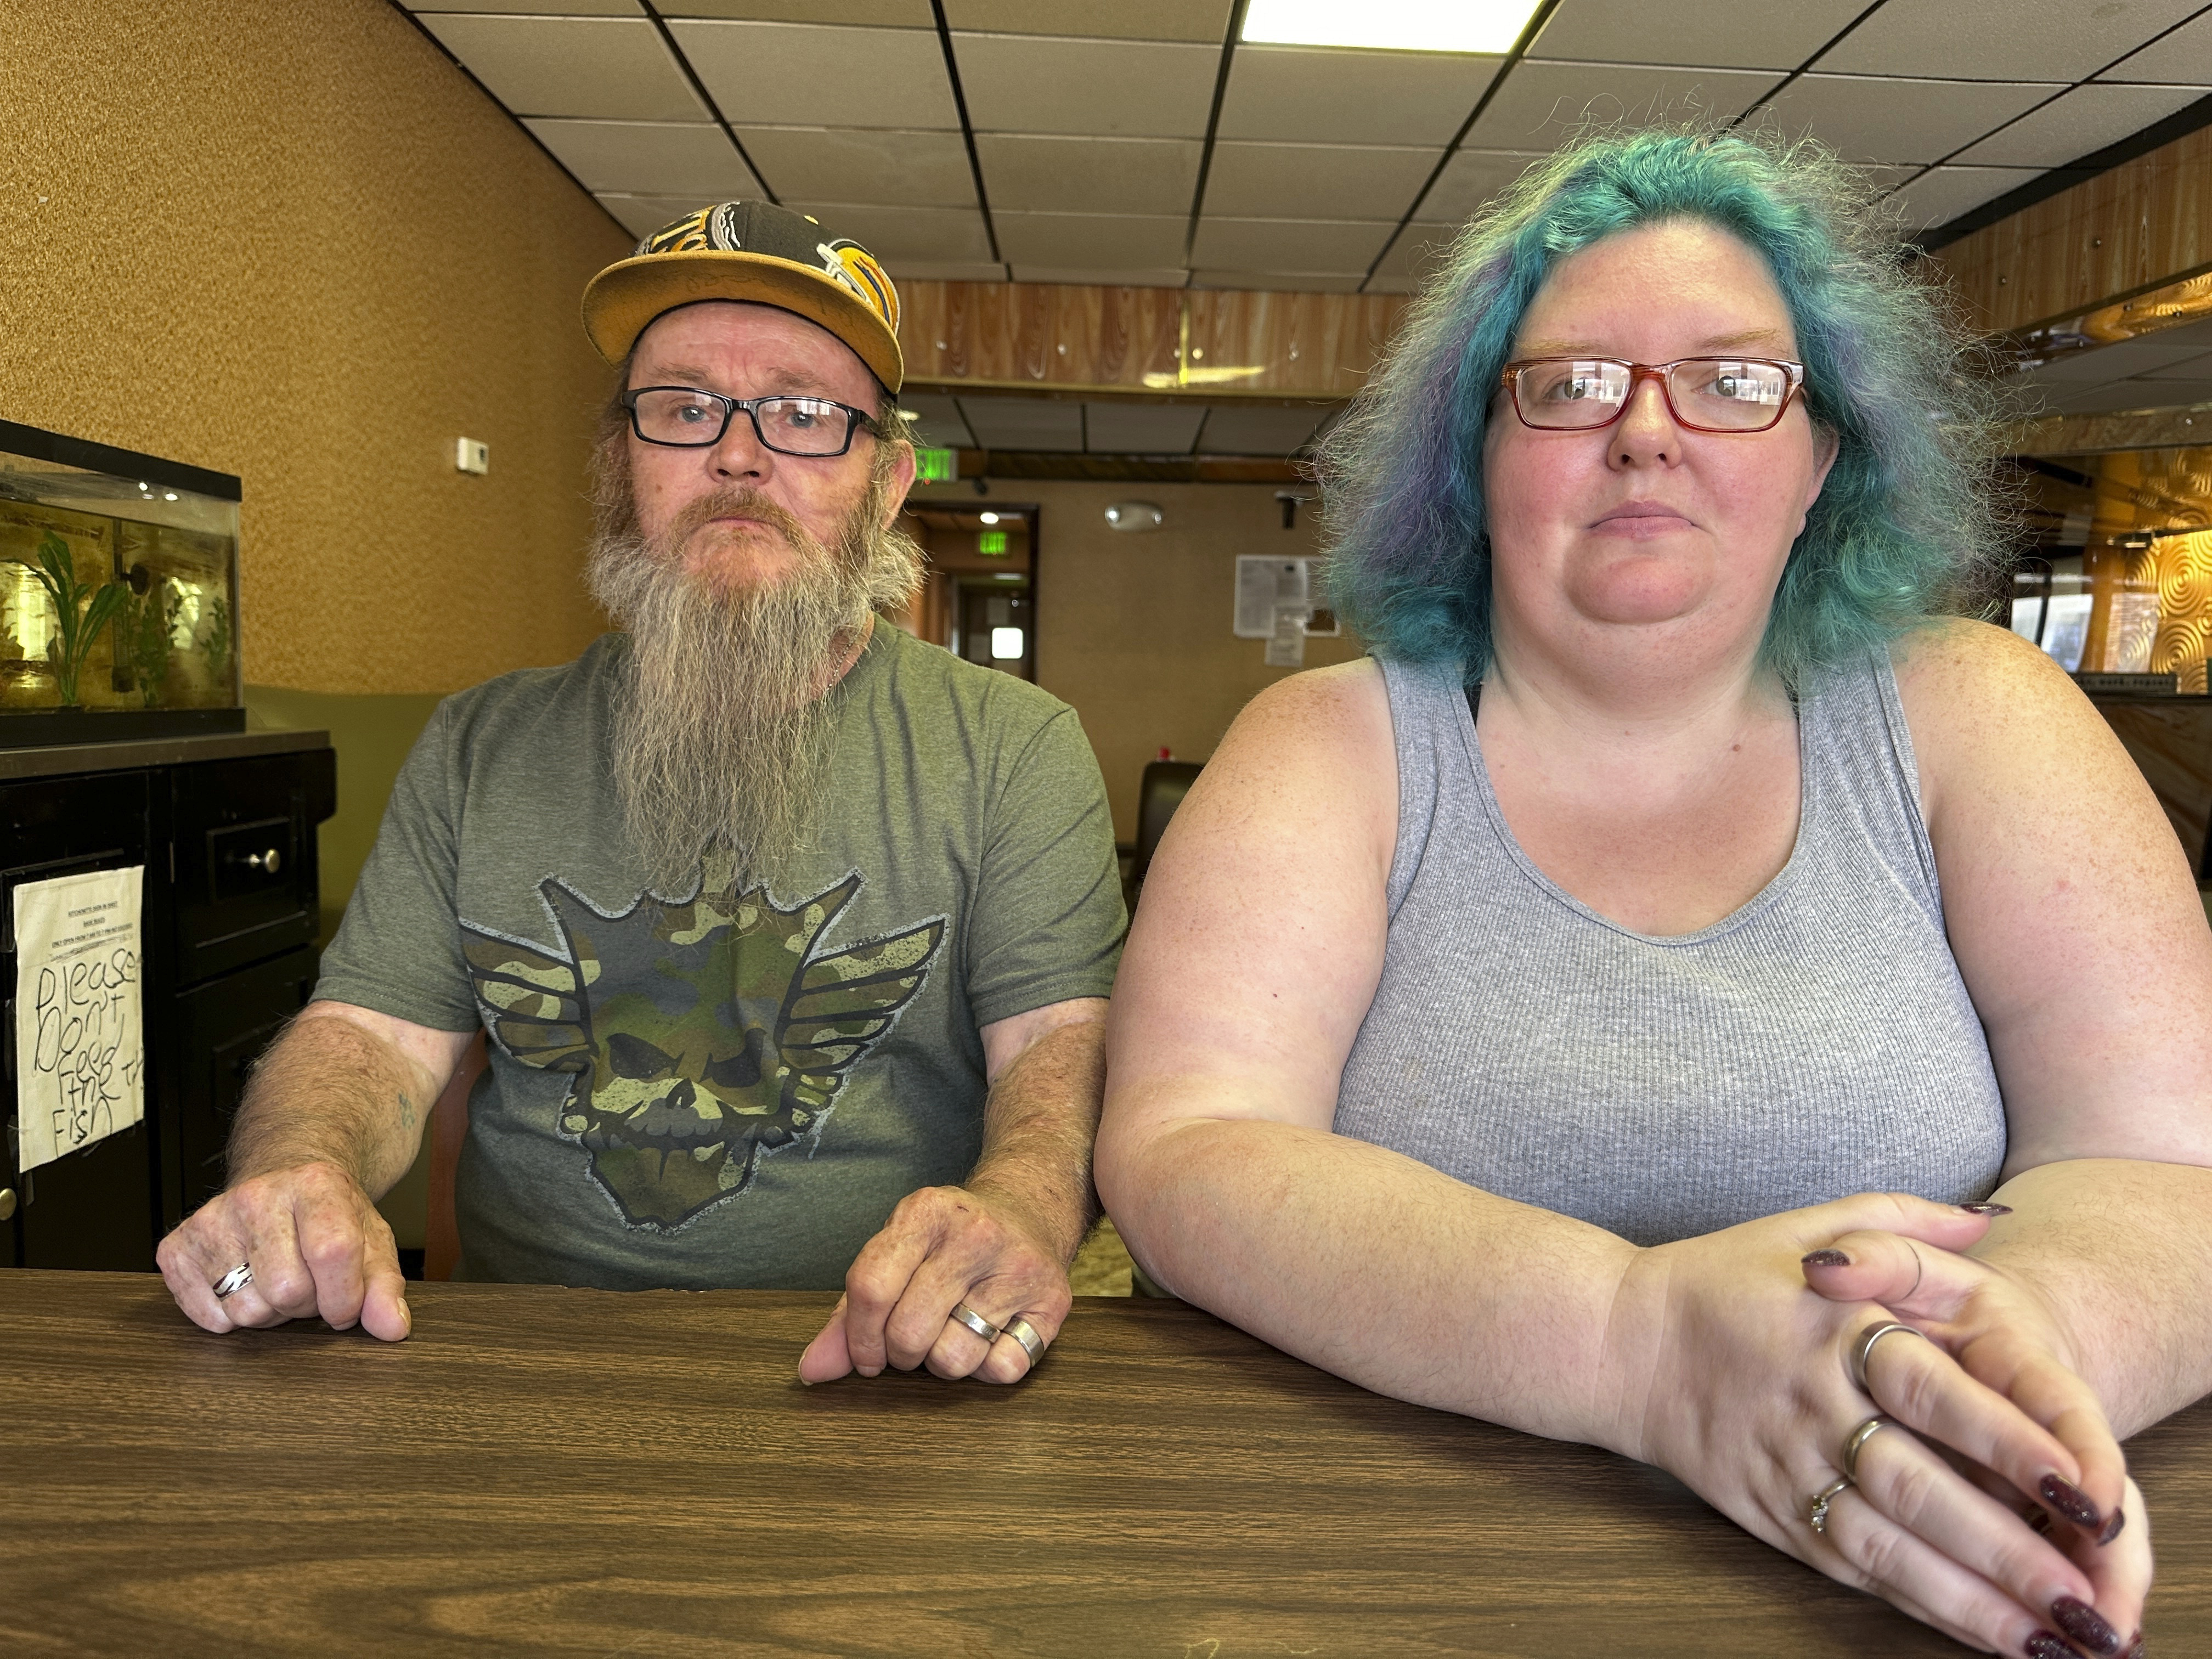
[733,1083]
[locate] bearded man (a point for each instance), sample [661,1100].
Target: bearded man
[791,935]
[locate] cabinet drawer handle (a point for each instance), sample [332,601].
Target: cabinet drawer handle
[267,863]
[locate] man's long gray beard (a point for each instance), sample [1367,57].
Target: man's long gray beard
[724,717]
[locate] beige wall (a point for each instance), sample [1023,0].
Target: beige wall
[294,243]
[1133,629]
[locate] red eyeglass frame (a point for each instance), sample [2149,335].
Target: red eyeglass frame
[1510,379]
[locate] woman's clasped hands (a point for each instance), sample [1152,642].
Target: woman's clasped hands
[1993,1503]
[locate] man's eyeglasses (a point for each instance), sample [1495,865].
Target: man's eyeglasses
[684,417]
[1703,394]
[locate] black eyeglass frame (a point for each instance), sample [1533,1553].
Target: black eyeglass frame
[1509,379]
[861,420]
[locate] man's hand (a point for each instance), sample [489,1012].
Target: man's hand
[942,1246]
[316,1246]
[1002,1243]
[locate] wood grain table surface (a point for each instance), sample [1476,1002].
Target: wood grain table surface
[572,1471]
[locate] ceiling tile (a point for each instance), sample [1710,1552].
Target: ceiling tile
[905,232]
[1095,241]
[1418,252]
[1293,93]
[788,74]
[944,271]
[1142,428]
[1938,196]
[1327,244]
[2198,367]
[646,158]
[1319,181]
[1891,120]
[540,8]
[2183,56]
[1257,429]
[2077,123]
[1281,281]
[1542,104]
[1101,175]
[2135,394]
[1103,277]
[1470,179]
[1379,283]
[863,164]
[2118,361]
[2011,39]
[609,69]
[877,13]
[640,215]
[1024,422]
[940,426]
[1125,20]
[1099,88]
[1713,34]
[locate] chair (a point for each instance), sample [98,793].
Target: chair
[1166,783]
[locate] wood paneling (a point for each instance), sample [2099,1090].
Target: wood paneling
[2142,226]
[547,1471]
[1155,342]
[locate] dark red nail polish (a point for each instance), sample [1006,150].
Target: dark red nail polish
[1826,1259]
[2085,1625]
[2134,1648]
[2071,1502]
[1987,1209]
[2044,1645]
[2113,1527]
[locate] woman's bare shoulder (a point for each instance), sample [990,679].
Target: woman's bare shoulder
[1985,707]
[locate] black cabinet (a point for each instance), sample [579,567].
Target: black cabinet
[225,828]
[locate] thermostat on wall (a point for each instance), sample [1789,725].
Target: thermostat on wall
[471,456]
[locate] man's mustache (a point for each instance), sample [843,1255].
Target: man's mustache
[738,502]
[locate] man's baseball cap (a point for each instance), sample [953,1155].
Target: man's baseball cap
[751,251]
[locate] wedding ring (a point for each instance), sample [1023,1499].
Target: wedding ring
[1857,1443]
[236,1279]
[1864,1346]
[975,1322]
[1816,1513]
[1025,1333]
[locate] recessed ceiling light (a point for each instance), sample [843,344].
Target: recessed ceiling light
[1487,25]
[989,518]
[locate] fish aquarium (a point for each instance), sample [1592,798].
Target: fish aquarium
[118,594]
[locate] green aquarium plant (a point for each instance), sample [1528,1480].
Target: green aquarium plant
[80,610]
[141,635]
[218,640]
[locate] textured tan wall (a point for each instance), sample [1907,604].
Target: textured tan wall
[1133,629]
[293,242]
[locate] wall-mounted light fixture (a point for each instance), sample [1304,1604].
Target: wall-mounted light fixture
[1134,515]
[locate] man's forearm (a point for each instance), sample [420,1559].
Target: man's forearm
[331,1091]
[1038,1125]
[2122,1251]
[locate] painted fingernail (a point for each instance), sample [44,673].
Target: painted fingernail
[2113,1527]
[2134,1648]
[1987,1209]
[2071,1502]
[1826,1259]
[2085,1625]
[2044,1645]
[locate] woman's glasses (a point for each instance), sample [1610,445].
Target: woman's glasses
[1703,394]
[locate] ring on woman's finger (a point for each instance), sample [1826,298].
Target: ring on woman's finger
[1025,1333]
[1857,1443]
[1816,1512]
[964,1315]
[1864,1346]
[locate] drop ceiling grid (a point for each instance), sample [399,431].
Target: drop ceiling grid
[1090,136]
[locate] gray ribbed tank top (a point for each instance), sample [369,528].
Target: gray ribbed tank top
[1818,1042]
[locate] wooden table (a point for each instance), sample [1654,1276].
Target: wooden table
[571,1472]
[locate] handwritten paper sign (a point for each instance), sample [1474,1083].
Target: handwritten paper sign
[80,1013]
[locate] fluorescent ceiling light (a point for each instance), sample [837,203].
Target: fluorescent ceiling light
[1487,25]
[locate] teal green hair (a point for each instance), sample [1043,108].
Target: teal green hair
[1903,528]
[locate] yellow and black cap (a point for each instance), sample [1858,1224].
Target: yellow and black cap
[752,251]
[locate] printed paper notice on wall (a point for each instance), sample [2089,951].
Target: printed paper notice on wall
[80,1013]
[1266,584]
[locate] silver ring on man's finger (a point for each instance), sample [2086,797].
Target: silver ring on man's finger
[1025,1333]
[236,1279]
[1816,1512]
[1860,1436]
[964,1315]
[1864,1346]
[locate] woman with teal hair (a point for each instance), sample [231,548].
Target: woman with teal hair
[1686,993]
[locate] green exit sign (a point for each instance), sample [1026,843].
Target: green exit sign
[935,466]
[991,541]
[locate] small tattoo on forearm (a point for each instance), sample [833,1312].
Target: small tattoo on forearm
[406,1111]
